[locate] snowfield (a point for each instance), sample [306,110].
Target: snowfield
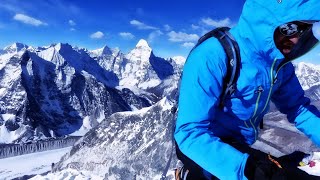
[30,164]
[72,174]
[68,174]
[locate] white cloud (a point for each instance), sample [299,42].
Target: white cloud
[12,6]
[141,25]
[97,35]
[154,35]
[167,27]
[216,23]
[195,27]
[72,29]
[71,23]
[182,37]
[28,20]
[188,44]
[126,35]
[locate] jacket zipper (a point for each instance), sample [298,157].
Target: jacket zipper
[273,80]
[259,92]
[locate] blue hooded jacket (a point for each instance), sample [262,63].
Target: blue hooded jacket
[201,124]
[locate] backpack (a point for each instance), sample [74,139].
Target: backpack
[232,51]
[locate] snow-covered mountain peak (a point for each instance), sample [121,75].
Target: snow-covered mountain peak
[116,51]
[63,46]
[106,51]
[15,47]
[80,49]
[179,60]
[102,51]
[142,43]
[165,103]
[303,68]
[48,52]
[141,52]
[308,74]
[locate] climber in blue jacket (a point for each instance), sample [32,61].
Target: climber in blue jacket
[215,141]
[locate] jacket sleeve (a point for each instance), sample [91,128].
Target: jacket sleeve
[200,90]
[290,100]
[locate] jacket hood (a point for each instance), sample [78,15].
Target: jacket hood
[260,18]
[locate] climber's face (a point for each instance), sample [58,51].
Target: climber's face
[287,35]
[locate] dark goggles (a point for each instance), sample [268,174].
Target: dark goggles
[293,29]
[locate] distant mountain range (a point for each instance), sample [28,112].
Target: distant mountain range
[308,74]
[59,89]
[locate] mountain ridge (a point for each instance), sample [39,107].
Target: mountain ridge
[61,70]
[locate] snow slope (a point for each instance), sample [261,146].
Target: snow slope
[30,164]
[127,145]
[69,174]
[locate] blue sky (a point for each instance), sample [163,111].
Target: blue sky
[170,27]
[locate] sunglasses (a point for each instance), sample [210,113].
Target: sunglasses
[292,29]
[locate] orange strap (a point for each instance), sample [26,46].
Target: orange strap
[177,171]
[274,161]
[181,175]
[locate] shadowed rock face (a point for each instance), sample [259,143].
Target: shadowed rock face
[48,93]
[313,93]
[162,67]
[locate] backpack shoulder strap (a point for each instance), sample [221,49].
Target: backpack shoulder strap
[232,51]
